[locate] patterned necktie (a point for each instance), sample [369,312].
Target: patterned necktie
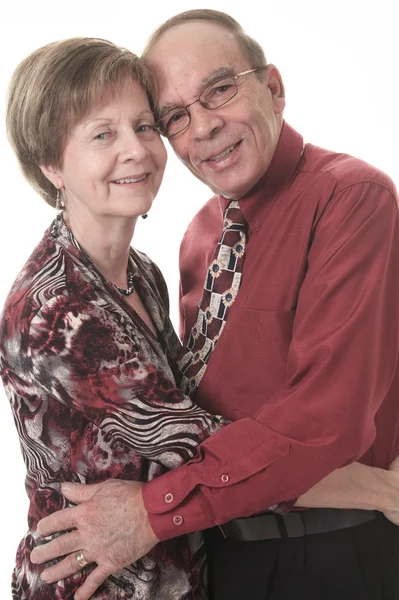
[221,286]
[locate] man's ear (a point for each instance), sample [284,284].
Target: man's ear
[275,84]
[53,174]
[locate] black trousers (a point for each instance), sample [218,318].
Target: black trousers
[357,563]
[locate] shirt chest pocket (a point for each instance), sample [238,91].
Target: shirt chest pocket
[249,360]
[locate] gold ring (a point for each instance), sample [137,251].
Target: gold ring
[80,559]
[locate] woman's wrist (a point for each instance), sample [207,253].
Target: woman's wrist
[355,486]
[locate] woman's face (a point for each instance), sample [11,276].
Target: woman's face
[114,159]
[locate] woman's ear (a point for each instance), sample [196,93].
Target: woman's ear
[54,175]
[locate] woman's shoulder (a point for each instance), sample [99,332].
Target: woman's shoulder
[151,273]
[146,265]
[44,276]
[142,260]
[38,280]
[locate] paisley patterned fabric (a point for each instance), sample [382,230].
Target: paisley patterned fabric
[93,396]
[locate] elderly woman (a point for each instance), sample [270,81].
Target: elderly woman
[87,350]
[87,347]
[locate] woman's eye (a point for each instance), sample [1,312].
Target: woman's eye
[145,128]
[101,136]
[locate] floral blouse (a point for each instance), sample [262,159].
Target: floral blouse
[93,396]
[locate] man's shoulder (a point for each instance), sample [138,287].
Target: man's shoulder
[211,212]
[211,208]
[343,169]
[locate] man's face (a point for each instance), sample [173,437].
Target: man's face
[231,147]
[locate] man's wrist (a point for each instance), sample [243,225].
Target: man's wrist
[169,515]
[149,531]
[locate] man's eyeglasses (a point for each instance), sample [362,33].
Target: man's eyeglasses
[214,96]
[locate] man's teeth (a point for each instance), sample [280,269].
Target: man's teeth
[130,180]
[224,153]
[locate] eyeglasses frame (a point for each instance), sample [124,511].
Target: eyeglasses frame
[233,77]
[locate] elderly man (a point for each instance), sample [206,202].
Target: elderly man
[295,340]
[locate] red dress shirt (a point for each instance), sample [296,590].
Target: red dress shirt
[307,365]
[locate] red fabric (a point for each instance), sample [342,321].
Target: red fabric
[93,397]
[307,365]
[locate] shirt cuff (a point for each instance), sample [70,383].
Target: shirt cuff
[168,517]
[171,518]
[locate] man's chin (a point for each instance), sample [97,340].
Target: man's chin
[222,184]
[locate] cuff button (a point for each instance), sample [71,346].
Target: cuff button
[169,498]
[178,520]
[225,478]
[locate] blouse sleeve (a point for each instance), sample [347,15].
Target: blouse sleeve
[80,355]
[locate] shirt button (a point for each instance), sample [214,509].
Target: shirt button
[178,520]
[257,226]
[225,478]
[169,498]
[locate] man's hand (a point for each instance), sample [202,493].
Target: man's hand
[393,515]
[111,528]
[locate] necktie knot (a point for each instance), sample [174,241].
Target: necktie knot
[233,219]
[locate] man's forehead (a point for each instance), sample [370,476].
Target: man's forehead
[191,34]
[189,57]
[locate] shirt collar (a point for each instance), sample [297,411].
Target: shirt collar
[282,168]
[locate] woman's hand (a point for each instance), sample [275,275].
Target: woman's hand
[393,515]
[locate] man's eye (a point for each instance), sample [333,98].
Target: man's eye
[219,93]
[175,118]
[222,89]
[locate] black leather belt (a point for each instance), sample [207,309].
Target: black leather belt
[269,526]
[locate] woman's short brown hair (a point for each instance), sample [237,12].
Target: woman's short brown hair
[250,47]
[55,87]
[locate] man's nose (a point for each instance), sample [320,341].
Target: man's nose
[204,122]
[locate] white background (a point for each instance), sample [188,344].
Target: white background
[339,61]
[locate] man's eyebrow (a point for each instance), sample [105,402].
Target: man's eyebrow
[213,77]
[220,73]
[161,111]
